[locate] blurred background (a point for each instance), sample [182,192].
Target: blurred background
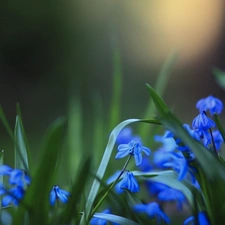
[54,52]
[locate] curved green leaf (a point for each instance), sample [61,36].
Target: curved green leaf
[21,156]
[219,77]
[115,219]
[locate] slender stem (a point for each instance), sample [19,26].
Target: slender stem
[213,142]
[110,188]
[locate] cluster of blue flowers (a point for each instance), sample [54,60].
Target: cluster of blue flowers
[172,154]
[18,182]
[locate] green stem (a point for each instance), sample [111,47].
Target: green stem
[111,187]
[213,142]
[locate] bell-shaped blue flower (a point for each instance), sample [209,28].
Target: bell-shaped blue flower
[218,139]
[128,182]
[153,210]
[13,196]
[171,194]
[201,218]
[5,170]
[20,178]
[16,176]
[132,148]
[155,187]
[214,105]
[203,122]
[181,165]
[58,194]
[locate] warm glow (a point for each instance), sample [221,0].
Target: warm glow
[152,29]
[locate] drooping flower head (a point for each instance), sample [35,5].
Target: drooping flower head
[153,210]
[202,122]
[181,165]
[218,139]
[132,148]
[128,182]
[58,194]
[214,105]
[13,196]
[17,177]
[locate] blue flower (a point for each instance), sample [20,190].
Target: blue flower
[156,187]
[132,148]
[14,195]
[20,178]
[97,221]
[160,157]
[201,218]
[181,165]
[128,182]
[58,194]
[214,105]
[167,140]
[218,139]
[125,136]
[16,176]
[171,194]
[202,122]
[153,211]
[5,170]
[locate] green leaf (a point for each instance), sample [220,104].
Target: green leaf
[219,77]
[75,122]
[104,163]
[37,196]
[71,209]
[115,219]
[21,157]
[219,126]
[6,123]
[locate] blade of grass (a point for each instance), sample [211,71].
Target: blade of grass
[71,209]
[115,219]
[6,123]
[219,126]
[219,76]
[23,139]
[74,135]
[20,152]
